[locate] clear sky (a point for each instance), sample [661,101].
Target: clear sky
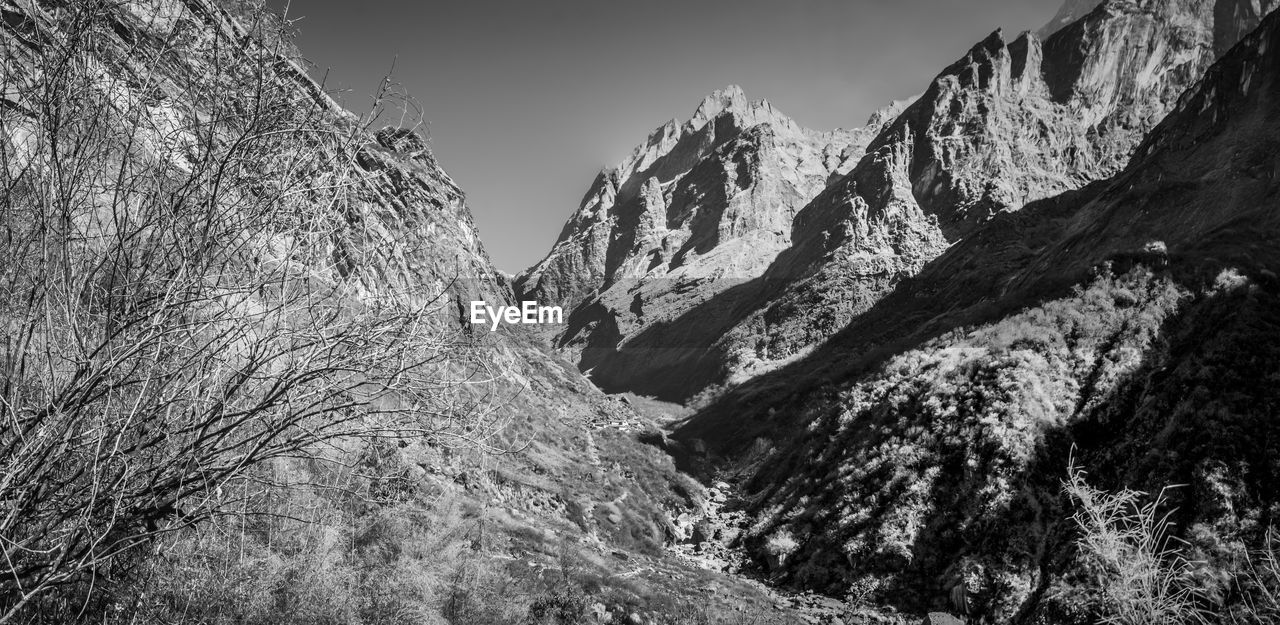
[527,99]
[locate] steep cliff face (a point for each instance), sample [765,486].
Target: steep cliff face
[1134,322]
[1008,124]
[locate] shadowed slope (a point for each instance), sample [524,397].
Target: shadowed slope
[1136,319]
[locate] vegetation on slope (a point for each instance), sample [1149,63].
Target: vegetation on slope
[939,475]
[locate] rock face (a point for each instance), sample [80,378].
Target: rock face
[1010,123]
[698,208]
[1132,325]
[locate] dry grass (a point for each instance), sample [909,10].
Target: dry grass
[1140,572]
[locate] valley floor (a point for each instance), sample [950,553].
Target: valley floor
[710,542]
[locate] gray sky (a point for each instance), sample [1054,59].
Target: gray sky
[527,99]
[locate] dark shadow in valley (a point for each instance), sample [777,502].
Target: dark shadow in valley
[667,358]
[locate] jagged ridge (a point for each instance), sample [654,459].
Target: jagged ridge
[1010,123]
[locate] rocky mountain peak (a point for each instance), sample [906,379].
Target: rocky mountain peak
[730,98]
[719,117]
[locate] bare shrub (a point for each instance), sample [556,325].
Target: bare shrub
[180,287]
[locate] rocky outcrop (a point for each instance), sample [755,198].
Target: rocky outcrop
[1010,123]
[1131,325]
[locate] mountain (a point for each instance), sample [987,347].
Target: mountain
[725,181]
[697,208]
[1129,327]
[1007,124]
